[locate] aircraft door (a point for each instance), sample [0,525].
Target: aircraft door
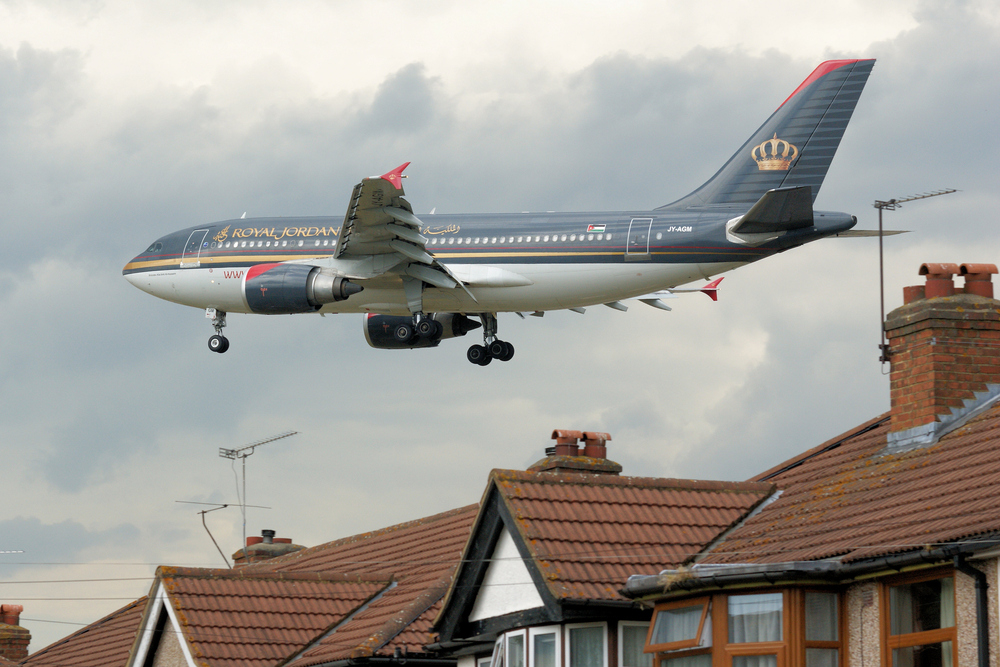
[192,249]
[637,245]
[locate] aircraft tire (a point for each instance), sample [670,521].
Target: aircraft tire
[508,352]
[429,329]
[498,348]
[218,344]
[403,333]
[478,355]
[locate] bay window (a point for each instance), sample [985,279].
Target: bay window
[921,624]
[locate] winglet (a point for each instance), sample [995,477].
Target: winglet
[396,176]
[712,289]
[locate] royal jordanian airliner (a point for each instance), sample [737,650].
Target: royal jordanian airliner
[420,281]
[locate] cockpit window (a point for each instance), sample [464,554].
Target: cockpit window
[156,247]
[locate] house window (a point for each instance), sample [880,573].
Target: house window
[921,627]
[631,641]
[586,645]
[544,647]
[515,649]
[754,629]
[680,625]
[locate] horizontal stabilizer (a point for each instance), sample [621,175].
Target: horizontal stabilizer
[865,233]
[779,210]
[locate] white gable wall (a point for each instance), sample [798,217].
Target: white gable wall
[507,586]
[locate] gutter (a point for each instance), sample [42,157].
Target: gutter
[712,576]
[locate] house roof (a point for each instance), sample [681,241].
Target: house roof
[267,612]
[421,556]
[103,643]
[852,499]
[587,533]
[247,618]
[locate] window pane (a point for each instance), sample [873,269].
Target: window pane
[586,647]
[755,618]
[515,651]
[544,647]
[674,625]
[926,605]
[928,655]
[821,657]
[755,661]
[633,641]
[703,660]
[821,616]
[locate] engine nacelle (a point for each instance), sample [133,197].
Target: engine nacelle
[380,330]
[279,289]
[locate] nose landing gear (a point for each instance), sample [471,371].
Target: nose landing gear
[492,347]
[218,342]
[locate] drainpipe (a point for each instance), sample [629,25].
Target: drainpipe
[982,606]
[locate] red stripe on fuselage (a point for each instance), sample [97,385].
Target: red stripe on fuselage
[258,269]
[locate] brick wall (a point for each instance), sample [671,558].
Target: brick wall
[944,351]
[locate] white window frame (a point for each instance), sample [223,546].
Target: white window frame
[569,626]
[621,636]
[506,646]
[486,659]
[544,630]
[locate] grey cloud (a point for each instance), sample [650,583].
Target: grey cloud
[61,542]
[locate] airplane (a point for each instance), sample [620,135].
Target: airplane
[422,280]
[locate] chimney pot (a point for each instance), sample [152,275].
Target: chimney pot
[11,613]
[978,280]
[268,536]
[595,444]
[566,442]
[939,279]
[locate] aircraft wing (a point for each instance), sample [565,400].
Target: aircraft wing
[380,222]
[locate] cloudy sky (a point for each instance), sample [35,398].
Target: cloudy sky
[121,121]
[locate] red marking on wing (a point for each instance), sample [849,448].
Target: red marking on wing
[396,176]
[818,73]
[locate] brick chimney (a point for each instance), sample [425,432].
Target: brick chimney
[944,345]
[567,457]
[265,547]
[14,639]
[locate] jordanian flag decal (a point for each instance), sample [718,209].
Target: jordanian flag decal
[595,228]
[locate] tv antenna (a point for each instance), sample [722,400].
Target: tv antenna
[217,506]
[892,205]
[243,453]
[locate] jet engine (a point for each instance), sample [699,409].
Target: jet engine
[394,332]
[280,289]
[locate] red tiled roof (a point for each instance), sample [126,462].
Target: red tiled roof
[239,617]
[421,556]
[104,643]
[849,499]
[588,532]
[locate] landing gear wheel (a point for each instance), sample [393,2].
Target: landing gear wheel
[508,353]
[430,329]
[498,348]
[403,333]
[478,355]
[218,344]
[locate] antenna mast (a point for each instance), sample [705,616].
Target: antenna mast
[243,453]
[892,205]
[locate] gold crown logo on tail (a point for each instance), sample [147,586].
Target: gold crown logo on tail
[774,154]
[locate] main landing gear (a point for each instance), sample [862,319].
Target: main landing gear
[492,347]
[218,342]
[422,327]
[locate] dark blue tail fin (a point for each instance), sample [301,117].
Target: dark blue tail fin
[794,147]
